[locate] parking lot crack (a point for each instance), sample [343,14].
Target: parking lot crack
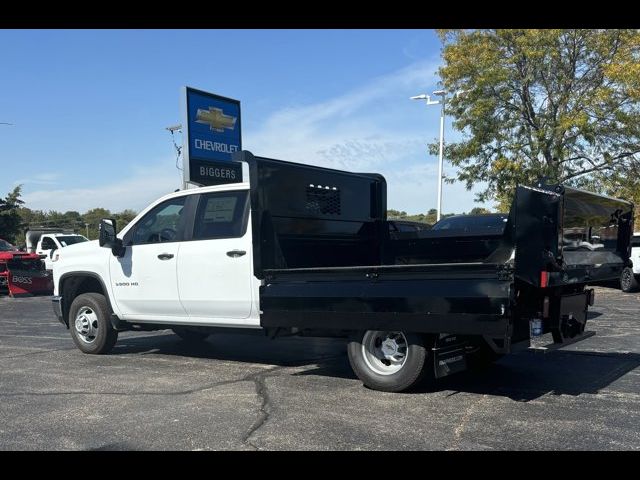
[262,393]
[459,430]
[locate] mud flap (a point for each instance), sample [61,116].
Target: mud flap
[569,316]
[449,355]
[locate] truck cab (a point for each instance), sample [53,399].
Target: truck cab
[50,244]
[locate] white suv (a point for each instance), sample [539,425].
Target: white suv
[629,278]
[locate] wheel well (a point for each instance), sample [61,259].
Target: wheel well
[76,285]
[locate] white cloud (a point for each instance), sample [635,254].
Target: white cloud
[373,128]
[48,178]
[136,192]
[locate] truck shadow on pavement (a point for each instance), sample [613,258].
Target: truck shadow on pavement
[527,376]
[521,377]
[286,352]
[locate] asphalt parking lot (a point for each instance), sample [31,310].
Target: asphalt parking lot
[154,391]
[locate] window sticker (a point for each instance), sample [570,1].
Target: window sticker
[220,209]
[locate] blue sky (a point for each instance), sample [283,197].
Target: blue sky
[90,108]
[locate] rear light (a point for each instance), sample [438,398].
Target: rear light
[544,279]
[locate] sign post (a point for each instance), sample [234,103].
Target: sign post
[212,135]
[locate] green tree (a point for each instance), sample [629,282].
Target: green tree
[32,217]
[93,217]
[10,220]
[123,218]
[560,104]
[479,211]
[397,214]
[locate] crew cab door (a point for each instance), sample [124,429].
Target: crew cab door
[215,266]
[144,280]
[44,247]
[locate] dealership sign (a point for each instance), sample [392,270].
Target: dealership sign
[212,136]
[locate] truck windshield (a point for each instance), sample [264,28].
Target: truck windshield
[6,246]
[71,239]
[473,223]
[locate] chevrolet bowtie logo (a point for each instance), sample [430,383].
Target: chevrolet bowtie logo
[216,119]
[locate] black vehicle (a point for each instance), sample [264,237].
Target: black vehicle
[485,222]
[399,229]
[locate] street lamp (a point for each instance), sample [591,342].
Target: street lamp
[442,101]
[87,227]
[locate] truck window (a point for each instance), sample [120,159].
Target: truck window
[71,239]
[164,223]
[48,244]
[221,215]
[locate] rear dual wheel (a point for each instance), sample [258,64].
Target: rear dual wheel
[390,361]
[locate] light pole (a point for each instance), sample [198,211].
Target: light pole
[87,227]
[442,101]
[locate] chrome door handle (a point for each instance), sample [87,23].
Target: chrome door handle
[236,253]
[165,256]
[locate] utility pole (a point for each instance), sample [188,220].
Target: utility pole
[442,101]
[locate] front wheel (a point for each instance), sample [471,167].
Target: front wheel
[389,361]
[89,323]
[628,281]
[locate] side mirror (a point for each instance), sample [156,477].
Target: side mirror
[107,232]
[107,237]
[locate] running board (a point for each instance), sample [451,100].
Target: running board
[555,346]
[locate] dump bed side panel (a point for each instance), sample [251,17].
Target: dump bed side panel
[462,299]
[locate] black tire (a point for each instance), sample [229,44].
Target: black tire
[96,311]
[190,335]
[628,281]
[413,371]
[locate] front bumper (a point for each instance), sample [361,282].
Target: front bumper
[56,302]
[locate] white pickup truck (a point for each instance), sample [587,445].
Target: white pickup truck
[629,278]
[48,245]
[296,249]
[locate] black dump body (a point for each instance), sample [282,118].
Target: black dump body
[322,247]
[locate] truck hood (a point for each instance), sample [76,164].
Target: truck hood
[79,248]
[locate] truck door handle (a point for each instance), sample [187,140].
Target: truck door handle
[165,256]
[236,253]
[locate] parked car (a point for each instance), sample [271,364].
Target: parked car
[406,228]
[48,242]
[629,277]
[22,273]
[480,223]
